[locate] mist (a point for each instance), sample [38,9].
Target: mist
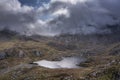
[60,17]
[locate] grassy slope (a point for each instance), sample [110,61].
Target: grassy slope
[50,52]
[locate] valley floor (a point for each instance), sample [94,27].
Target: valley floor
[16,58]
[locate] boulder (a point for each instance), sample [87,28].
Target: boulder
[21,54]
[37,53]
[3,55]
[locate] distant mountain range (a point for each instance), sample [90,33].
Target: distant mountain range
[112,37]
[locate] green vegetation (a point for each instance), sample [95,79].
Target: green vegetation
[21,53]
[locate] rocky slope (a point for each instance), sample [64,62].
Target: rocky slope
[18,53]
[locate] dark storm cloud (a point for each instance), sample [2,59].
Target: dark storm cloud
[35,3]
[14,16]
[85,17]
[60,16]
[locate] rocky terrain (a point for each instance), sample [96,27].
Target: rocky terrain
[17,54]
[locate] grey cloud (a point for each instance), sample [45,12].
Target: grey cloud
[14,16]
[87,17]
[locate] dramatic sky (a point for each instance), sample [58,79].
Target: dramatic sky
[53,17]
[35,3]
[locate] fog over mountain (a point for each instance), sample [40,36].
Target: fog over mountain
[60,16]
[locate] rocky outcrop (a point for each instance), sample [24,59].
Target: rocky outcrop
[37,53]
[112,73]
[115,50]
[19,53]
[12,53]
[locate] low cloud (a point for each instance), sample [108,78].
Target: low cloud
[14,16]
[60,16]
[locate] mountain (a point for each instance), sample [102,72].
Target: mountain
[6,34]
[101,53]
